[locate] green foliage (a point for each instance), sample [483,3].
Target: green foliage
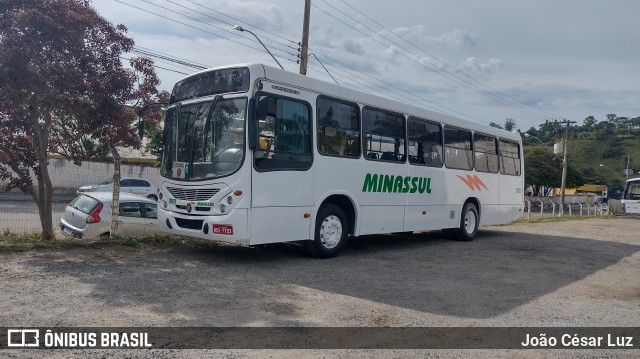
[15,242]
[154,144]
[608,142]
[543,168]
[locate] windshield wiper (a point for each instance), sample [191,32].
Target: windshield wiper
[208,122]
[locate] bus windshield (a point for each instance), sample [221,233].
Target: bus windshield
[204,140]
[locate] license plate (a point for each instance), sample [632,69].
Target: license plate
[223,229]
[67,230]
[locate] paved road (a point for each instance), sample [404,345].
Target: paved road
[564,274]
[19,216]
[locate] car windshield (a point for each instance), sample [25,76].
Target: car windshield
[84,204]
[204,140]
[106,182]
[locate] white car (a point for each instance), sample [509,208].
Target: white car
[89,215]
[137,186]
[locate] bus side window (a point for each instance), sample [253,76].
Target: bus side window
[385,135]
[338,128]
[510,162]
[458,152]
[425,142]
[284,135]
[486,153]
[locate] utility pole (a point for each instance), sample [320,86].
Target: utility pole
[565,164]
[304,46]
[628,170]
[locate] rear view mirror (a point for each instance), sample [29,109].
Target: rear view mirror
[262,108]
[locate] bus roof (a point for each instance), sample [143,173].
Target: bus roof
[325,88]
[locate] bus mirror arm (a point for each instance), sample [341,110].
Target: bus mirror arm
[252,126]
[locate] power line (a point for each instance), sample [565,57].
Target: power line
[238,20]
[512,102]
[395,91]
[156,66]
[414,98]
[196,28]
[168,58]
[225,22]
[190,64]
[215,26]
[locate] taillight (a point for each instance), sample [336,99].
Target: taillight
[94,217]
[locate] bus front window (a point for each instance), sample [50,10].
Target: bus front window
[201,142]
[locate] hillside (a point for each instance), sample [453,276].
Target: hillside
[587,155]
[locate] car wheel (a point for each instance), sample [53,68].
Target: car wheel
[330,232]
[469,223]
[153,197]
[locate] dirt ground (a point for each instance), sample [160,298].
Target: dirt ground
[579,273]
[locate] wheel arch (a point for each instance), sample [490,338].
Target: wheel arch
[476,202]
[345,202]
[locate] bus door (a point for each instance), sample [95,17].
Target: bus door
[282,175]
[631,197]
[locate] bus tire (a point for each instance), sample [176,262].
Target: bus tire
[469,223]
[330,234]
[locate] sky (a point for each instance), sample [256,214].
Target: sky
[483,61]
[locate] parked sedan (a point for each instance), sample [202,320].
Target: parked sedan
[89,215]
[137,186]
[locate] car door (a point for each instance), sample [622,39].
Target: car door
[130,219]
[127,185]
[142,187]
[150,215]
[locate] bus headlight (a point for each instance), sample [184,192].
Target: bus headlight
[223,208]
[229,200]
[164,204]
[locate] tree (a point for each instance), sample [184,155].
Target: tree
[61,80]
[509,124]
[543,168]
[493,124]
[589,122]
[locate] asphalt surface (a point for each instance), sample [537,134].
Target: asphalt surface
[581,273]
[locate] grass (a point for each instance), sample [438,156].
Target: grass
[559,219]
[18,242]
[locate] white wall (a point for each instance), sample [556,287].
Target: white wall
[65,174]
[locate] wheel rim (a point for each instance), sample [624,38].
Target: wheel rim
[330,231]
[470,222]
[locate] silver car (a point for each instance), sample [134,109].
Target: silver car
[89,215]
[137,186]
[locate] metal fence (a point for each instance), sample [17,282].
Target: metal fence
[551,207]
[19,213]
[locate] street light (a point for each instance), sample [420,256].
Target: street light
[607,167]
[530,135]
[241,29]
[542,143]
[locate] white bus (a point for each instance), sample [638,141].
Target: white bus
[631,196]
[254,155]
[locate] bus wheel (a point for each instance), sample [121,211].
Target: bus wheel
[468,223]
[330,234]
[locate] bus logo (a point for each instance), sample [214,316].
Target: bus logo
[396,184]
[474,182]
